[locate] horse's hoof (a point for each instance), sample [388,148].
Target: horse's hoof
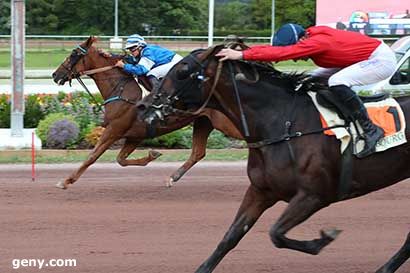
[169,183]
[61,185]
[154,154]
[331,233]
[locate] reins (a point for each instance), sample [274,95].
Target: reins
[91,72]
[217,76]
[99,106]
[96,70]
[77,76]
[211,93]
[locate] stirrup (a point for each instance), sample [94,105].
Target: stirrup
[368,150]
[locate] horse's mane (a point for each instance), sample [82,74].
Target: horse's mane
[292,80]
[301,81]
[110,59]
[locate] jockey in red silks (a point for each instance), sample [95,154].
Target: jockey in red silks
[345,58]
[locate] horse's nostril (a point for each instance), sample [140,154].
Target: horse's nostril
[53,75]
[141,107]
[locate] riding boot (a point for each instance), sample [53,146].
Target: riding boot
[371,132]
[154,82]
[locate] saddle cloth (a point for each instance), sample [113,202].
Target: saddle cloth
[386,113]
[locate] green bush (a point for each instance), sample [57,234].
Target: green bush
[182,138]
[5,108]
[45,124]
[84,111]
[217,140]
[62,134]
[33,112]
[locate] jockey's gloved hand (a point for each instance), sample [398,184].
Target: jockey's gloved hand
[129,59]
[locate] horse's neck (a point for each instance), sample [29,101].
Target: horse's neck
[267,110]
[109,83]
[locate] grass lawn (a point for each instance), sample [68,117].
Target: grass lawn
[65,156]
[53,58]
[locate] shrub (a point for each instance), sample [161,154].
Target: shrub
[83,110]
[94,135]
[181,138]
[62,134]
[51,105]
[5,107]
[218,140]
[45,124]
[33,112]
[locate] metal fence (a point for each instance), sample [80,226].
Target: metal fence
[65,42]
[177,43]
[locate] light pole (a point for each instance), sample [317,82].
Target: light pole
[211,22]
[116,19]
[116,42]
[273,20]
[17,137]
[17,66]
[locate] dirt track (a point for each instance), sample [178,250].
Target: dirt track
[120,220]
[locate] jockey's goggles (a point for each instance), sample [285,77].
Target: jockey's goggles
[134,48]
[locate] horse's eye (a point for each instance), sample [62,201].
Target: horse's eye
[183,72]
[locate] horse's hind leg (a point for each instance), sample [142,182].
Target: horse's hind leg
[398,259]
[128,148]
[300,208]
[202,129]
[253,205]
[106,140]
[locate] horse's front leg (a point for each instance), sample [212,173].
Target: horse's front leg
[201,129]
[252,207]
[300,208]
[128,147]
[106,140]
[398,259]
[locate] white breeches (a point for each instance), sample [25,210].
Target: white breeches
[160,71]
[380,65]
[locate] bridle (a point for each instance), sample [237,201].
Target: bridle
[78,54]
[166,108]
[163,109]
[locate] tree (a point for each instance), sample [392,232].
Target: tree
[156,17]
[261,13]
[66,11]
[302,12]
[176,17]
[5,23]
[233,15]
[40,17]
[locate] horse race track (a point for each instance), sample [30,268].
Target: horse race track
[119,220]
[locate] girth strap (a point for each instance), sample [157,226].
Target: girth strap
[288,136]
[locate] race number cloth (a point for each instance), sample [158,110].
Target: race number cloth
[386,114]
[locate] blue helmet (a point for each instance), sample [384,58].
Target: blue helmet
[288,34]
[135,40]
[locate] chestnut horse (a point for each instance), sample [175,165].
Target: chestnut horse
[121,92]
[290,159]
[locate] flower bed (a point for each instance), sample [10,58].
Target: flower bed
[51,113]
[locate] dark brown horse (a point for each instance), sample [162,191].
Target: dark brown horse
[286,161]
[121,92]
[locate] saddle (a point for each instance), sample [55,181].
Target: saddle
[326,99]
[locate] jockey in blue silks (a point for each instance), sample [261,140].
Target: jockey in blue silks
[154,61]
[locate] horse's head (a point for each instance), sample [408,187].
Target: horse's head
[83,57]
[183,88]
